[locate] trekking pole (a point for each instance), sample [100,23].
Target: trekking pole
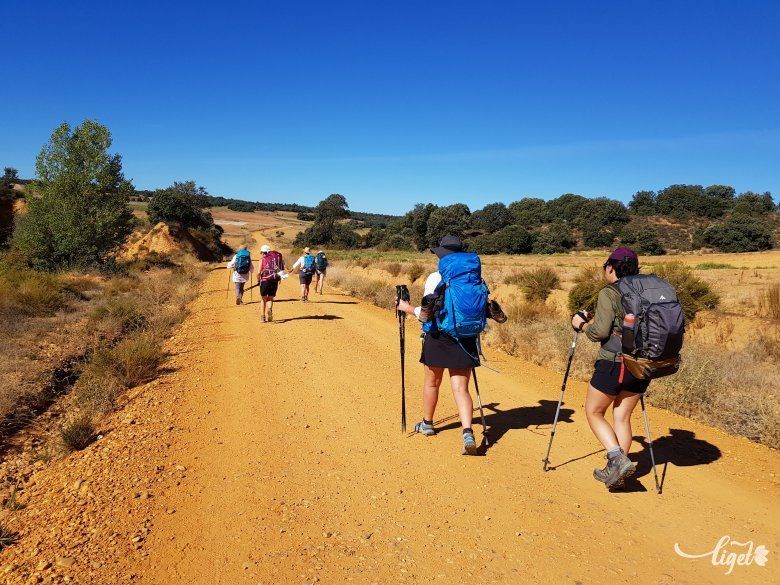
[481,411]
[402,294]
[227,292]
[546,459]
[650,443]
[251,292]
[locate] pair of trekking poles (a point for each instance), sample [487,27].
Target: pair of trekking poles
[546,460]
[402,294]
[251,286]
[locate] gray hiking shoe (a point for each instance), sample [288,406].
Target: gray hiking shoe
[618,469]
[469,444]
[424,429]
[602,474]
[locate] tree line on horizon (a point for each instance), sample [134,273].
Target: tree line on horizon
[711,217]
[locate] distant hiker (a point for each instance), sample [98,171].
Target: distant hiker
[455,291]
[242,268]
[271,267]
[305,265]
[321,267]
[616,381]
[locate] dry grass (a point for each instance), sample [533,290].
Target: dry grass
[7,537]
[394,268]
[769,301]
[415,271]
[375,292]
[536,283]
[78,433]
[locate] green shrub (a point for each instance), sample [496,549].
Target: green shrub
[395,242]
[642,239]
[509,240]
[491,218]
[78,433]
[739,233]
[30,293]
[695,295]
[555,239]
[587,286]
[180,203]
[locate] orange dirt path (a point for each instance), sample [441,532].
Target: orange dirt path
[296,470]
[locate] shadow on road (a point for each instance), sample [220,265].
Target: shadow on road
[499,422]
[308,317]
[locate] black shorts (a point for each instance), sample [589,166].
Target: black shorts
[607,379]
[441,351]
[304,278]
[268,288]
[322,272]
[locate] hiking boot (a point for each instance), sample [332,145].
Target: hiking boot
[263,318]
[602,474]
[424,429]
[469,444]
[618,469]
[303,299]
[238,301]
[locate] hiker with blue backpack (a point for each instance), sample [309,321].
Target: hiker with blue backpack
[453,313]
[306,267]
[639,323]
[242,268]
[321,268]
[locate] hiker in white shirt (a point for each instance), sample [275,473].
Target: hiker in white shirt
[239,280]
[305,266]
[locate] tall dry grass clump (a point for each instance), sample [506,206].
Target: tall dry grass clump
[587,286]
[769,301]
[536,283]
[371,290]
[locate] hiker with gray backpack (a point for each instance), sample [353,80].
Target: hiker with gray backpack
[640,324]
[321,268]
[454,310]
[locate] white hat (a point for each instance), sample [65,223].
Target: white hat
[265,248]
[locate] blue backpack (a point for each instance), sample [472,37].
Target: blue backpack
[243,262]
[308,264]
[462,311]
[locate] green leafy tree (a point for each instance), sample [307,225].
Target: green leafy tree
[642,239]
[739,233]
[491,218]
[78,211]
[644,203]
[451,220]
[681,201]
[512,239]
[529,212]
[566,208]
[554,239]
[180,203]
[419,223]
[754,204]
[326,229]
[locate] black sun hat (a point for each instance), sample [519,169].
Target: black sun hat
[448,245]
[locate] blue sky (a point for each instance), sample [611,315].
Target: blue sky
[403,102]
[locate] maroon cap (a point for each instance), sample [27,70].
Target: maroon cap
[622,253]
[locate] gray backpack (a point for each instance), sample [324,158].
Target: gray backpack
[659,328]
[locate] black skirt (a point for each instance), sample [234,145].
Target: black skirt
[442,351]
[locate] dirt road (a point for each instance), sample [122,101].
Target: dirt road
[296,470]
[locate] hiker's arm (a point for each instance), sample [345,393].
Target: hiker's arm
[600,327]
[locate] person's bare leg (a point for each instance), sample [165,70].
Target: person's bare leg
[270,306]
[263,309]
[459,381]
[596,404]
[431,384]
[625,403]
[303,290]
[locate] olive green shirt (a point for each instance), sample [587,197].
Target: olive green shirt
[607,321]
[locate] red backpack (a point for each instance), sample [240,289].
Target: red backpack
[272,263]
